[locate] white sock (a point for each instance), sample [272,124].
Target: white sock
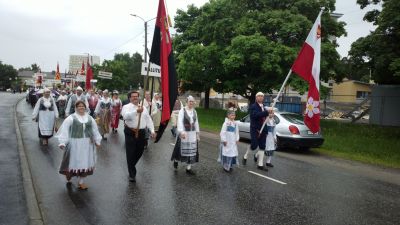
[269,159]
[260,157]
[80,180]
[189,166]
[247,152]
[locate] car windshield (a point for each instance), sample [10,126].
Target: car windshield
[293,118]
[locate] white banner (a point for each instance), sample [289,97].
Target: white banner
[155,70]
[104,77]
[80,78]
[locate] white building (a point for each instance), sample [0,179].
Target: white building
[75,62]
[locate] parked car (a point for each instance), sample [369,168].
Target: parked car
[290,131]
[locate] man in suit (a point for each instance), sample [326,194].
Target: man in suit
[258,114]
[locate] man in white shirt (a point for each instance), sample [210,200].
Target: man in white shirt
[136,119]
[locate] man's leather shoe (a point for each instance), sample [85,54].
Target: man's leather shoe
[132,179]
[244,161]
[269,165]
[262,168]
[190,172]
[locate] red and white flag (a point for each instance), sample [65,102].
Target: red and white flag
[307,66]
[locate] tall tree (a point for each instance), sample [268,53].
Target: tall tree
[378,53]
[256,42]
[125,70]
[7,75]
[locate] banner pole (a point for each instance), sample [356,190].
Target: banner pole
[277,96]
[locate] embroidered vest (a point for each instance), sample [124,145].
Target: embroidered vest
[186,121]
[78,129]
[43,108]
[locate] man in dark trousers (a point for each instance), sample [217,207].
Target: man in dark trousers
[136,119]
[258,114]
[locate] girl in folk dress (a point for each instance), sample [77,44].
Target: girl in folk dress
[62,104]
[45,113]
[270,144]
[186,147]
[229,138]
[157,116]
[116,106]
[103,114]
[79,137]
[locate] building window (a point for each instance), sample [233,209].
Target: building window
[362,94]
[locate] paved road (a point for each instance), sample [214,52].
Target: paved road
[13,208]
[312,189]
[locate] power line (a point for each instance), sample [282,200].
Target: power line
[126,42]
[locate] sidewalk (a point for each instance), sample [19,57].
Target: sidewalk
[19,204]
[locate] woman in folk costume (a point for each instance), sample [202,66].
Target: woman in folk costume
[93,99]
[103,114]
[157,117]
[174,116]
[62,104]
[270,143]
[186,147]
[79,137]
[45,112]
[229,138]
[116,106]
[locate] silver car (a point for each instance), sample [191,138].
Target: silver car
[290,131]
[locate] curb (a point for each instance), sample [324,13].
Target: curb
[34,212]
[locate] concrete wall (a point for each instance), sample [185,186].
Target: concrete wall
[385,105]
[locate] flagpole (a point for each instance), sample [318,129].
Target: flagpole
[277,96]
[144,91]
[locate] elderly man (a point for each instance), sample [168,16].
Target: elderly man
[72,100]
[258,114]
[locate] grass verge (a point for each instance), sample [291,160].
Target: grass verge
[379,145]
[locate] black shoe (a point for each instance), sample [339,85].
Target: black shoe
[190,172]
[269,165]
[255,158]
[228,171]
[262,168]
[176,165]
[132,179]
[244,161]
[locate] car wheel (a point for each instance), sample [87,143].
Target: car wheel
[304,149]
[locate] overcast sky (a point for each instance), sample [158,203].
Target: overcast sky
[47,31]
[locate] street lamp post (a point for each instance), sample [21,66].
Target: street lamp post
[146,51]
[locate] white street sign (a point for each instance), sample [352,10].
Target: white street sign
[105,74]
[155,70]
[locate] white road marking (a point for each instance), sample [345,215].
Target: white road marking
[172,144]
[269,178]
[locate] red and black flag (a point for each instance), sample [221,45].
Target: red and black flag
[162,55]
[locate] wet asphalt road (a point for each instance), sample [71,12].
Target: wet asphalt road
[314,193]
[13,208]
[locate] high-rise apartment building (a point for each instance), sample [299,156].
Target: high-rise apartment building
[75,62]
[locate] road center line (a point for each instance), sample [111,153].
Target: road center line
[269,178]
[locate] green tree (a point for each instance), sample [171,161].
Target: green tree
[254,43]
[125,70]
[35,68]
[7,76]
[379,52]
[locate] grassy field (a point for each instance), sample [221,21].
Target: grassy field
[361,142]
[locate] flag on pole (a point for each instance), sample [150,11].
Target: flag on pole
[307,66]
[89,75]
[162,55]
[58,75]
[83,68]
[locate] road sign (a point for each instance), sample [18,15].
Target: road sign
[155,70]
[104,75]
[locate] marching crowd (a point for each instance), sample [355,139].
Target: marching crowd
[88,118]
